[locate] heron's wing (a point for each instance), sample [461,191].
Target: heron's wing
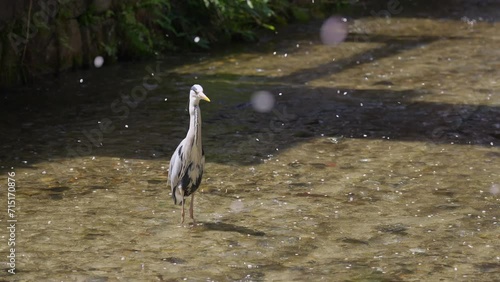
[197,182]
[177,165]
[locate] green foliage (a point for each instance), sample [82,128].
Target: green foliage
[64,11]
[88,18]
[240,17]
[150,26]
[141,28]
[145,27]
[221,20]
[138,28]
[159,23]
[134,36]
[110,50]
[300,13]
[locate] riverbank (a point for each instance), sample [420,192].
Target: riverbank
[53,36]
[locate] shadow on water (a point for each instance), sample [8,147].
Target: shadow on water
[65,121]
[392,47]
[228,227]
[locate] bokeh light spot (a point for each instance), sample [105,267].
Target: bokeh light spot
[98,61]
[334,31]
[495,189]
[262,101]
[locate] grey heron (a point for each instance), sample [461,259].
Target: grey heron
[188,160]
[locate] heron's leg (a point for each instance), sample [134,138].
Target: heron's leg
[183,200]
[191,208]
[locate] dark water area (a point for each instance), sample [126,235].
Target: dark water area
[379,160]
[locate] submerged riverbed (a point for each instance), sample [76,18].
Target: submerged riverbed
[379,161]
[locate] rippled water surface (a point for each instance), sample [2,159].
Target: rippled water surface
[379,162]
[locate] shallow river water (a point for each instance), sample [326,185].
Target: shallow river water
[380,161]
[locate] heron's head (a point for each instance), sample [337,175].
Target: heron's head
[196,94]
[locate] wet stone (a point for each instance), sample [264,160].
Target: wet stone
[451,206]
[312,195]
[397,228]
[444,192]
[59,189]
[295,164]
[297,185]
[97,279]
[488,267]
[354,241]
[174,260]
[383,82]
[493,155]
[335,139]
[56,196]
[93,234]
[318,165]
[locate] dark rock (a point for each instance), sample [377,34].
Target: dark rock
[59,189]
[383,82]
[488,267]
[450,206]
[10,68]
[73,9]
[397,228]
[174,260]
[70,44]
[318,165]
[94,38]
[354,241]
[42,51]
[101,5]
[10,10]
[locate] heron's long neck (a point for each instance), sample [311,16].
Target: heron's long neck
[194,131]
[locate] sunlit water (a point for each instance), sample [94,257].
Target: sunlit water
[378,162]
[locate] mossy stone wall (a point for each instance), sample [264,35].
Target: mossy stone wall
[49,36]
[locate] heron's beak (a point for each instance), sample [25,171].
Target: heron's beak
[204,97]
